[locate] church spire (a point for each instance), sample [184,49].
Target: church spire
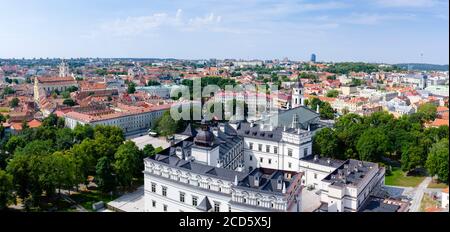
[63,69]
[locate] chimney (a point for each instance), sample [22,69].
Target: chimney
[295,121]
[256,181]
[235,180]
[316,157]
[318,109]
[279,183]
[179,152]
[215,131]
[329,161]
[299,131]
[284,189]
[284,128]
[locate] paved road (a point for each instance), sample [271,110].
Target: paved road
[418,195]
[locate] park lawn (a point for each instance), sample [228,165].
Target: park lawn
[4,110]
[399,178]
[53,204]
[437,185]
[428,203]
[88,198]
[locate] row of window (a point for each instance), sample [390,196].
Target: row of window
[290,152]
[182,199]
[267,148]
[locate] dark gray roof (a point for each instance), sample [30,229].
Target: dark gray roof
[197,168]
[305,117]
[350,172]
[190,131]
[268,180]
[254,131]
[323,161]
[204,205]
[378,205]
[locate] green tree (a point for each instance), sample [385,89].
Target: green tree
[127,163]
[14,102]
[412,157]
[25,125]
[131,88]
[153,83]
[6,189]
[82,132]
[372,145]
[57,171]
[50,121]
[428,111]
[113,134]
[2,118]
[105,178]
[326,111]
[84,155]
[7,91]
[333,93]
[69,102]
[64,139]
[19,168]
[326,143]
[437,162]
[148,150]
[65,94]
[14,142]
[166,125]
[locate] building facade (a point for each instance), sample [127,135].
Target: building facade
[344,186]
[130,121]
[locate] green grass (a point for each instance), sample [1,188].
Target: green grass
[87,199]
[438,185]
[399,178]
[4,110]
[55,204]
[428,203]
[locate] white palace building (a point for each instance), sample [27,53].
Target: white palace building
[255,167]
[238,167]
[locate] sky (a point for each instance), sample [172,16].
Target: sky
[382,31]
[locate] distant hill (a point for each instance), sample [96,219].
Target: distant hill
[423,67]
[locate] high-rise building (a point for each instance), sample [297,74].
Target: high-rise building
[313,58]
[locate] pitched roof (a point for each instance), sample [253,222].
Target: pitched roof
[205,205]
[190,131]
[34,123]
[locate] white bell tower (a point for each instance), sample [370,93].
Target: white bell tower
[297,95]
[63,69]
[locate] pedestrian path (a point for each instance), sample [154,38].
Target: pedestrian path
[418,195]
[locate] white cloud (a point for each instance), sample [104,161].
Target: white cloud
[373,19]
[407,3]
[140,25]
[207,21]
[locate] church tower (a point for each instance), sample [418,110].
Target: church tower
[297,94]
[64,69]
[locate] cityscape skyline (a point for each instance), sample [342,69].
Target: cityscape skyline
[375,31]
